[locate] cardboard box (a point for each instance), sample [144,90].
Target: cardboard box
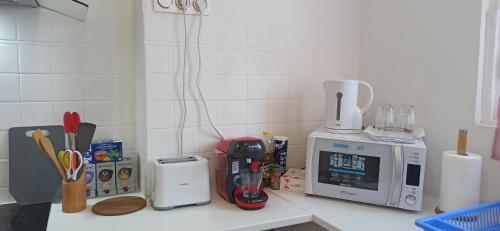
[91,181]
[106,185]
[105,151]
[126,173]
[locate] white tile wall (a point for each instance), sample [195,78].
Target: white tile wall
[4,171]
[256,112]
[36,113]
[257,87]
[162,61]
[160,114]
[259,72]
[67,59]
[212,88]
[68,87]
[36,87]
[4,145]
[50,63]
[8,25]
[10,114]
[9,87]
[33,25]
[96,60]
[235,88]
[235,112]
[9,58]
[96,87]
[34,59]
[235,62]
[192,117]
[258,62]
[160,87]
[234,34]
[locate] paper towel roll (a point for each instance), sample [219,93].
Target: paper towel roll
[460,180]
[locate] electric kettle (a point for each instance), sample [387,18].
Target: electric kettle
[342,114]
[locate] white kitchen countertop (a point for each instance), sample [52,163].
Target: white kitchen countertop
[218,215]
[338,214]
[284,208]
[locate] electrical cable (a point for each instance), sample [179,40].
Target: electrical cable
[198,79]
[184,109]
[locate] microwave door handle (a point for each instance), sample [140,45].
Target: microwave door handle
[397,176]
[393,179]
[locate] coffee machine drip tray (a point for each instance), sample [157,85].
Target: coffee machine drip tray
[255,203]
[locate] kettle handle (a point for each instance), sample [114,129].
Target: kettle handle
[369,102]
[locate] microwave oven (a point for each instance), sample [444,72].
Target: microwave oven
[353,167]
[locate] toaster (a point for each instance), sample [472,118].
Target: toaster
[180,181]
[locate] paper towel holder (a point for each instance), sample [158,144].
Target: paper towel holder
[462,142]
[470,197]
[461,150]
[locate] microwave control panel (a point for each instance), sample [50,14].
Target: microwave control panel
[413,178]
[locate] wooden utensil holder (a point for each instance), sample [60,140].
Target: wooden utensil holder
[74,194]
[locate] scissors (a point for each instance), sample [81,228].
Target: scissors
[72,161]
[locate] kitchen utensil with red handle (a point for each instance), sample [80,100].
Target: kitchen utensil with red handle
[68,129]
[71,122]
[76,121]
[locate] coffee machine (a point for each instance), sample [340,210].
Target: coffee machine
[235,158]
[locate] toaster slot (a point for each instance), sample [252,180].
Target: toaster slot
[176,160]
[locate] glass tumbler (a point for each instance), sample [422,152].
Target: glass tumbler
[406,119]
[250,182]
[385,119]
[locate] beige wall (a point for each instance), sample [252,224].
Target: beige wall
[425,53]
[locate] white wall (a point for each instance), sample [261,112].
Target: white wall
[263,61]
[50,63]
[425,53]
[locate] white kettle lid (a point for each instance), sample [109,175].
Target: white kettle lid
[329,83]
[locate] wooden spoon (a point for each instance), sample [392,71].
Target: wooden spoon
[48,149]
[37,136]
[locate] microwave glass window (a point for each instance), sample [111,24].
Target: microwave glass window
[349,170]
[413,175]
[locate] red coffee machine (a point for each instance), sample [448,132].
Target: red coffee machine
[237,167]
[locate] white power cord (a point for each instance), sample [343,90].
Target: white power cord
[198,77]
[184,107]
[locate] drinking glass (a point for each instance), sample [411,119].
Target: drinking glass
[250,182]
[406,119]
[385,119]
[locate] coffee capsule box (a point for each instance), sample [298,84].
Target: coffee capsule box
[125,176]
[91,181]
[106,185]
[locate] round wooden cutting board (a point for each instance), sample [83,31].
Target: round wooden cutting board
[119,206]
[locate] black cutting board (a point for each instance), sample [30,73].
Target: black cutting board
[33,178]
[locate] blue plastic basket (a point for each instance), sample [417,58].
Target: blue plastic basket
[484,217]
